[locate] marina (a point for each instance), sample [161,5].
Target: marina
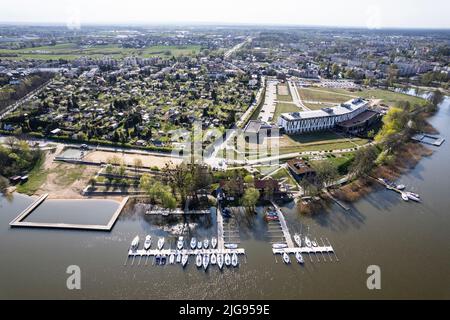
[303,247]
[205,252]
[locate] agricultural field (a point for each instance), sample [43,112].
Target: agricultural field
[72,51]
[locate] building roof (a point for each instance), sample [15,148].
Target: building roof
[267,183]
[359,119]
[254,126]
[299,166]
[341,109]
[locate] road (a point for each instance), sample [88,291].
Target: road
[237,47]
[18,103]
[296,96]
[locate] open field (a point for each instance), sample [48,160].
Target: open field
[335,96]
[128,159]
[283,93]
[325,95]
[71,51]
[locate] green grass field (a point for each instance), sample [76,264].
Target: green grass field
[336,96]
[284,108]
[318,141]
[71,51]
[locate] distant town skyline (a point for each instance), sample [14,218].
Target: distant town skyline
[351,13]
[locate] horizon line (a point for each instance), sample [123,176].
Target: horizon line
[212,24]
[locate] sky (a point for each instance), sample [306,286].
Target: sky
[340,13]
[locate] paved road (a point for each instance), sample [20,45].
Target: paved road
[237,47]
[296,96]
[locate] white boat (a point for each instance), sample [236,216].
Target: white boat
[308,242]
[227,260]
[231,246]
[220,260]
[298,239]
[205,243]
[314,243]
[178,257]
[193,243]
[234,260]
[162,259]
[214,242]
[180,243]
[401,187]
[184,259]
[413,196]
[199,244]
[135,243]
[286,258]
[198,260]
[405,197]
[299,257]
[205,261]
[148,242]
[213,259]
[160,243]
[157,259]
[172,259]
[279,245]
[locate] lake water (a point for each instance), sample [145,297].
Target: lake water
[410,242]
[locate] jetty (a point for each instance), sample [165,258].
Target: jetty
[176,212]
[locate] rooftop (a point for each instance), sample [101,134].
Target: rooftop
[341,109]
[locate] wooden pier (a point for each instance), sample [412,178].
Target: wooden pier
[284,227]
[176,212]
[304,250]
[220,240]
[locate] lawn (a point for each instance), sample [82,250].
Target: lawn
[318,141]
[71,51]
[325,95]
[283,174]
[284,108]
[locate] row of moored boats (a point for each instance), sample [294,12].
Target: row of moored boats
[203,259]
[406,195]
[300,243]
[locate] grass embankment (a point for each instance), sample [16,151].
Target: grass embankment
[36,178]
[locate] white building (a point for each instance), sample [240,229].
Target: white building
[324,119]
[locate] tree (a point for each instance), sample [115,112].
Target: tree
[364,161]
[3,184]
[180,179]
[326,173]
[248,179]
[137,165]
[250,198]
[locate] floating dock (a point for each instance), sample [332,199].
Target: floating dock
[429,139]
[176,212]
